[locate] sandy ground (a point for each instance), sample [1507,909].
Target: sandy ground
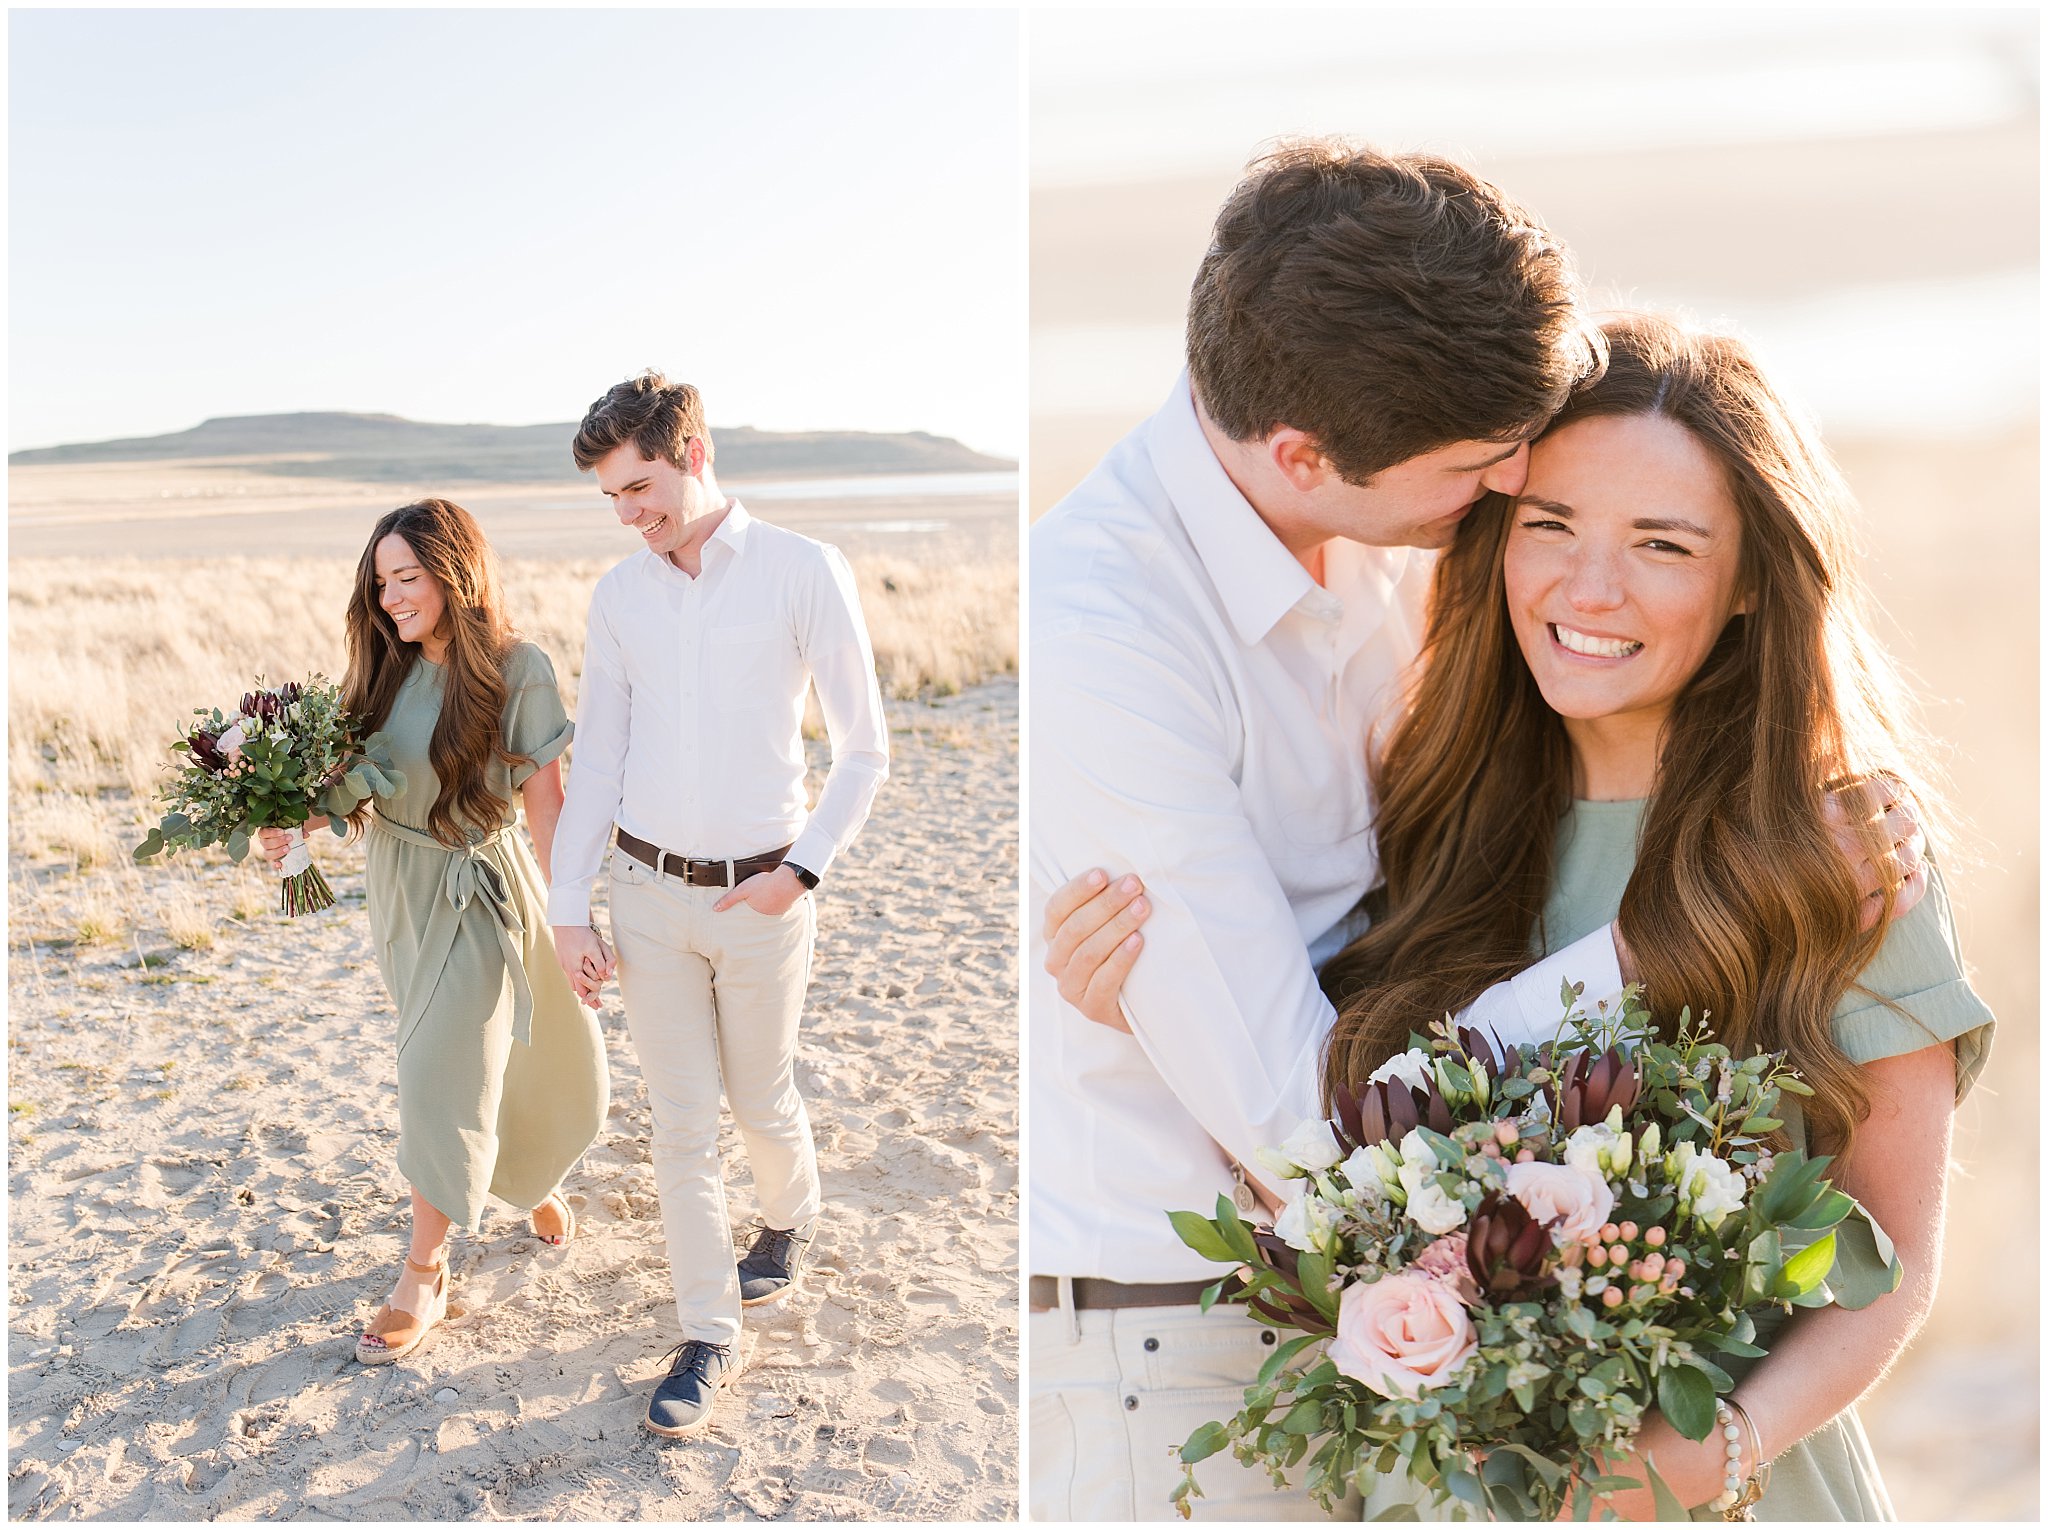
[204,1211]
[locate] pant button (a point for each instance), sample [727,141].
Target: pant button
[1269,1337]
[1131,1404]
[1151,1346]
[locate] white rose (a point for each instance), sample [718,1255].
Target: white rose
[1306,1224]
[1713,1188]
[1429,1207]
[1310,1147]
[1598,1149]
[1413,1067]
[1292,1226]
[1361,1173]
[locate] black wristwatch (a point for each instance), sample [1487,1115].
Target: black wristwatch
[808,878]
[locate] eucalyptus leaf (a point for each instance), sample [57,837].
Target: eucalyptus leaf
[1866,1268]
[1204,1443]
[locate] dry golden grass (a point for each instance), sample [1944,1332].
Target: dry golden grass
[109,656]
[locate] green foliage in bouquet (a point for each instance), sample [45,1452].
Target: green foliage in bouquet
[1662,1216]
[285,754]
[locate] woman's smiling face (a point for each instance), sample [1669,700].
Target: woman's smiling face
[1622,566]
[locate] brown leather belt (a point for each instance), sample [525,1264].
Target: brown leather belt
[1098,1295]
[699,873]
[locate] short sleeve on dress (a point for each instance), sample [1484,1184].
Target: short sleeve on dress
[536,724]
[1919,970]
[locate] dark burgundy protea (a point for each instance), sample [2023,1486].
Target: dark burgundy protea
[1281,1306]
[270,705]
[1585,1087]
[205,750]
[1483,1048]
[1280,1254]
[1505,1248]
[1386,1111]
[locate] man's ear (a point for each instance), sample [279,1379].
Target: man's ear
[1297,458]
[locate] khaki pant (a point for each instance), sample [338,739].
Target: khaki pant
[711,997]
[1113,1395]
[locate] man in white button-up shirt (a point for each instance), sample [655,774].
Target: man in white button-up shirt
[1221,614]
[700,651]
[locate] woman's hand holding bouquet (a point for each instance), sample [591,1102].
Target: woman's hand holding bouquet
[1503,1259]
[268,765]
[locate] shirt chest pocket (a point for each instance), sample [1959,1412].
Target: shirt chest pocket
[752,664]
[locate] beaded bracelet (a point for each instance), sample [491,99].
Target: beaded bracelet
[1739,1498]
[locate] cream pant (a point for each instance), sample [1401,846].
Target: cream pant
[713,996]
[1113,1394]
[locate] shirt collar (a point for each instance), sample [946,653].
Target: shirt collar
[732,531]
[1259,580]
[731,534]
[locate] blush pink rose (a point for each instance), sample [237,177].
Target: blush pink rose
[1402,1335]
[1574,1203]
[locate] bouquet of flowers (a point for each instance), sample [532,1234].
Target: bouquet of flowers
[1504,1256]
[267,766]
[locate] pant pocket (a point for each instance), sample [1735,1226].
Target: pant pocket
[1054,1445]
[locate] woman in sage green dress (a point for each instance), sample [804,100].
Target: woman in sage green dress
[1641,677]
[501,1073]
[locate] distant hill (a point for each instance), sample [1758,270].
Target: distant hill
[382,448]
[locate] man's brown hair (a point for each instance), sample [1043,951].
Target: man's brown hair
[659,417]
[1385,305]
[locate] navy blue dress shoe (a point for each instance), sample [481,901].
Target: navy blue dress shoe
[681,1405]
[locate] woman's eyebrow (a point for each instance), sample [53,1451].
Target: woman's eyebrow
[1642,523]
[1672,523]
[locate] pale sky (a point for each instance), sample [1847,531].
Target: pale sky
[494,215]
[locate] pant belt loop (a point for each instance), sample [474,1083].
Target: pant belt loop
[1068,1310]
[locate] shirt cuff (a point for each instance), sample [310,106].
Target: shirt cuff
[1528,1009]
[569,904]
[813,850]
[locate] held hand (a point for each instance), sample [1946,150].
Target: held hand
[1883,799]
[765,892]
[585,959]
[1092,939]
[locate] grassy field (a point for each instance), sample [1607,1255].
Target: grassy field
[109,657]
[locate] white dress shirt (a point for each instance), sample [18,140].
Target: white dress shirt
[688,722]
[1200,711]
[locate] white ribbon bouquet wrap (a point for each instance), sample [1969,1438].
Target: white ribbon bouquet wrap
[299,858]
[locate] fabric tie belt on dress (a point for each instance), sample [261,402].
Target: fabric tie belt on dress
[471,876]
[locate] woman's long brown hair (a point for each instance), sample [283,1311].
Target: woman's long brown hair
[453,552]
[1740,904]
